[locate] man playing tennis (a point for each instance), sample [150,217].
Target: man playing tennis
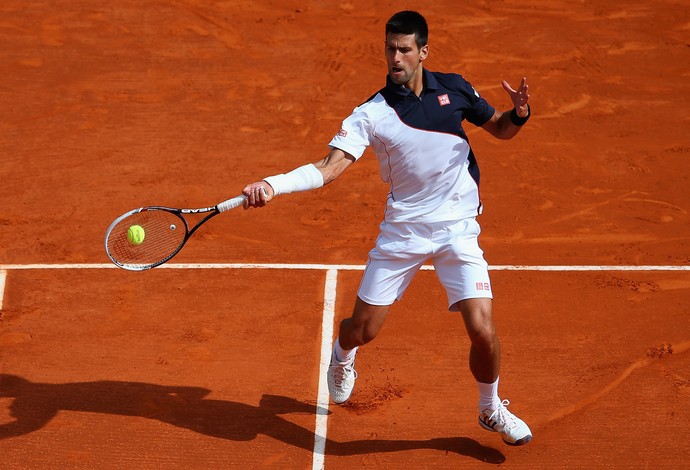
[413,125]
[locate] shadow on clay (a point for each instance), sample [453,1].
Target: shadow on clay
[35,404]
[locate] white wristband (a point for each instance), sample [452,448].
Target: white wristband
[300,179]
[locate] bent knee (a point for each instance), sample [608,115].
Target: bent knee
[359,333]
[483,336]
[366,333]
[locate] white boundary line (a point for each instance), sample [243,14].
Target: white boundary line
[3,278]
[344,267]
[321,428]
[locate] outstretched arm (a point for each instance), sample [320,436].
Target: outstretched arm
[505,125]
[311,176]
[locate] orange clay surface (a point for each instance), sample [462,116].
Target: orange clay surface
[107,106]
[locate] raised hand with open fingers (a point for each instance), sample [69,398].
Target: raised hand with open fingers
[519,97]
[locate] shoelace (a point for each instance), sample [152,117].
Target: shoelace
[502,416]
[341,373]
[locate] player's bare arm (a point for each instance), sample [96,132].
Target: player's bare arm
[506,124]
[334,164]
[303,178]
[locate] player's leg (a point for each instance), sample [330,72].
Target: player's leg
[392,264]
[485,363]
[365,323]
[363,326]
[485,348]
[462,270]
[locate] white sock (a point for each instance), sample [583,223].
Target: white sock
[343,355]
[488,396]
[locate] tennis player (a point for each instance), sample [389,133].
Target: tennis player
[413,125]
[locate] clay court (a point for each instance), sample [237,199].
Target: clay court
[215,359]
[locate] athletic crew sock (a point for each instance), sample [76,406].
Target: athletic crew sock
[488,396]
[343,355]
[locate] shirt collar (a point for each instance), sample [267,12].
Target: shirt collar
[430,83]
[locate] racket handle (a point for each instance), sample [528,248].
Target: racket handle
[231,203]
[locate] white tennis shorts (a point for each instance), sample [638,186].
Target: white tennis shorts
[402,248]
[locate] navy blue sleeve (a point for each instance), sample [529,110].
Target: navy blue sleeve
[480,110]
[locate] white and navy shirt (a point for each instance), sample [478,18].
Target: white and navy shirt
[423,152]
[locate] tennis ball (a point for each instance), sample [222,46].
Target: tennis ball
[136,234]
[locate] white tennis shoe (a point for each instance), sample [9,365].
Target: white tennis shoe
[341,379]
[513,430]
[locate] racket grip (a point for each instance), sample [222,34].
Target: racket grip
[231,203]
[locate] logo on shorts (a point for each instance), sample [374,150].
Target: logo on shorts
[342,133]
[483,286]
[443,100]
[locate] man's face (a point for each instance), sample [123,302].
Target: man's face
[403,57]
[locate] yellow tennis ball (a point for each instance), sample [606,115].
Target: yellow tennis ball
[136,234]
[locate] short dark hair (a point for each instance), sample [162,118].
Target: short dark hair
[409,22]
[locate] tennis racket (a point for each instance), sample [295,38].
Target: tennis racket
[163,232]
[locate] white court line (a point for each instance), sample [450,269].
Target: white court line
[3,278]
[346,267]
[321,428]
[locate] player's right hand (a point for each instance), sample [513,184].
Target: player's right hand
[258,194]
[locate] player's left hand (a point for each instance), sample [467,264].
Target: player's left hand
[519,97]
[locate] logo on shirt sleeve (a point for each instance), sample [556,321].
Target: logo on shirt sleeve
[443,100]
[342,133]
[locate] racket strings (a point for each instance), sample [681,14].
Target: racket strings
[164,234]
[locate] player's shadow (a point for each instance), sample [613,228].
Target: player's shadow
[34,404]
